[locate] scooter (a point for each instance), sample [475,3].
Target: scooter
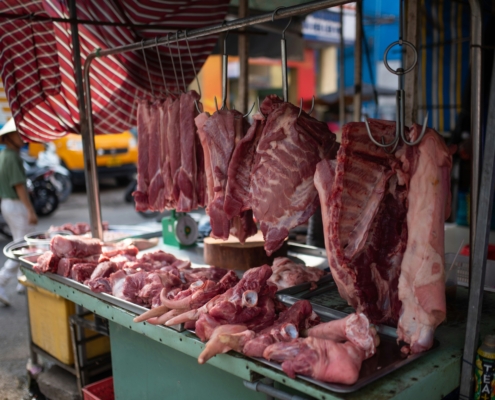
[48,159]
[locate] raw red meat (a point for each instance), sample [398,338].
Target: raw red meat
[104,270]
[82,272]
[364,208]
[165,199]
[155,187]
[283,195]
[212,273]
[174,152]
[243,226]
[237,194]
[47,262]
[65,264]
[127,287]
[187,176]
[201,189]
[79,228]
[72,246]
[143,179]
[112,251]
[422,277]
[100,285]
[200,121]
[287,273]
[219,133]
[159,256]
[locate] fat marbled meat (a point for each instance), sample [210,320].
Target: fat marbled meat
[369,204]
[283,194]
[143,119]
[219,134]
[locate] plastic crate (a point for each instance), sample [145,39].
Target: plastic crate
[101,390]
[49,319]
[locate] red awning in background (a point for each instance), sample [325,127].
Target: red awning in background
[37,66]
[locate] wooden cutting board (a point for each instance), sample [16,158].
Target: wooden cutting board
[231,254]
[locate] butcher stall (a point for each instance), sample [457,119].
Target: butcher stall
[379,313]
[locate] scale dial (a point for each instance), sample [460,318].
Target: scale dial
[186,230]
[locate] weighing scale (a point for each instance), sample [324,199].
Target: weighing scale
[179,230]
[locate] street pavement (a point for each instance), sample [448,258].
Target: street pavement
[13,320]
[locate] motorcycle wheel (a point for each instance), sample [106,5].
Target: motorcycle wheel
[44,198]
[66,184]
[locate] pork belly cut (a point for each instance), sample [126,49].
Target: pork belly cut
[143,179]
[283,194]
[73,246]
[173,139]
[154,168]
[287,273]
[422,277]
[219,134]
[364,217]
[187,174]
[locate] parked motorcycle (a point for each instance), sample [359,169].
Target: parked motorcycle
[42,191]
[48,159]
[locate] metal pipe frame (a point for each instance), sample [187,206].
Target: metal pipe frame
[481,200]
[476,25]
[87,129]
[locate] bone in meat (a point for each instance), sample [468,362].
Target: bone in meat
[364,211]
[283,195]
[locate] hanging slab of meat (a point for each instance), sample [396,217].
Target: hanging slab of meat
[173,138]
[200,121]
[187,175]
[143,179]
[155,186]
[243,226]
[287,273]
[219,133]
[422,278]
[237,194]
[166,198]
[201,186]
[73,246]
[283,194]
[47,262]
[364,219]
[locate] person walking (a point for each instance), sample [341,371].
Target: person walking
[16,206]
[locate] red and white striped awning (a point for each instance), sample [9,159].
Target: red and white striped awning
[37,66]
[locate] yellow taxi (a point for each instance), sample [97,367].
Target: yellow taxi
[116,155]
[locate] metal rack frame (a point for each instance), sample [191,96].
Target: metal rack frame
[478,237]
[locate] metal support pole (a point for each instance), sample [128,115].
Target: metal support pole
[271,391]
[358,62]
[479,251]
[243,46]
[476,37]
[87,135]
[411,79]
[342,72]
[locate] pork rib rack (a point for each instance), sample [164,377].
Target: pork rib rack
[283,194]
[383,217]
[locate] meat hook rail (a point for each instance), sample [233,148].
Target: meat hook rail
[400,94]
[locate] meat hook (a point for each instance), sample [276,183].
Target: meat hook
[194,70]
[250,111]
[180,61]
[147,69]
[259,109]
[283,51]
[310,111]
[161,66]
[173,63]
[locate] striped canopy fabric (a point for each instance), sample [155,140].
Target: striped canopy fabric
[37,68]
[443,61]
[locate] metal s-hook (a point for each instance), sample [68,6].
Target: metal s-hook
[161,66]
[310,111]
[173,63]
[283,51]
[147,69]
[192,63]
[383,145]
[180,61]
[259,109]
[250,111]
[423,131]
